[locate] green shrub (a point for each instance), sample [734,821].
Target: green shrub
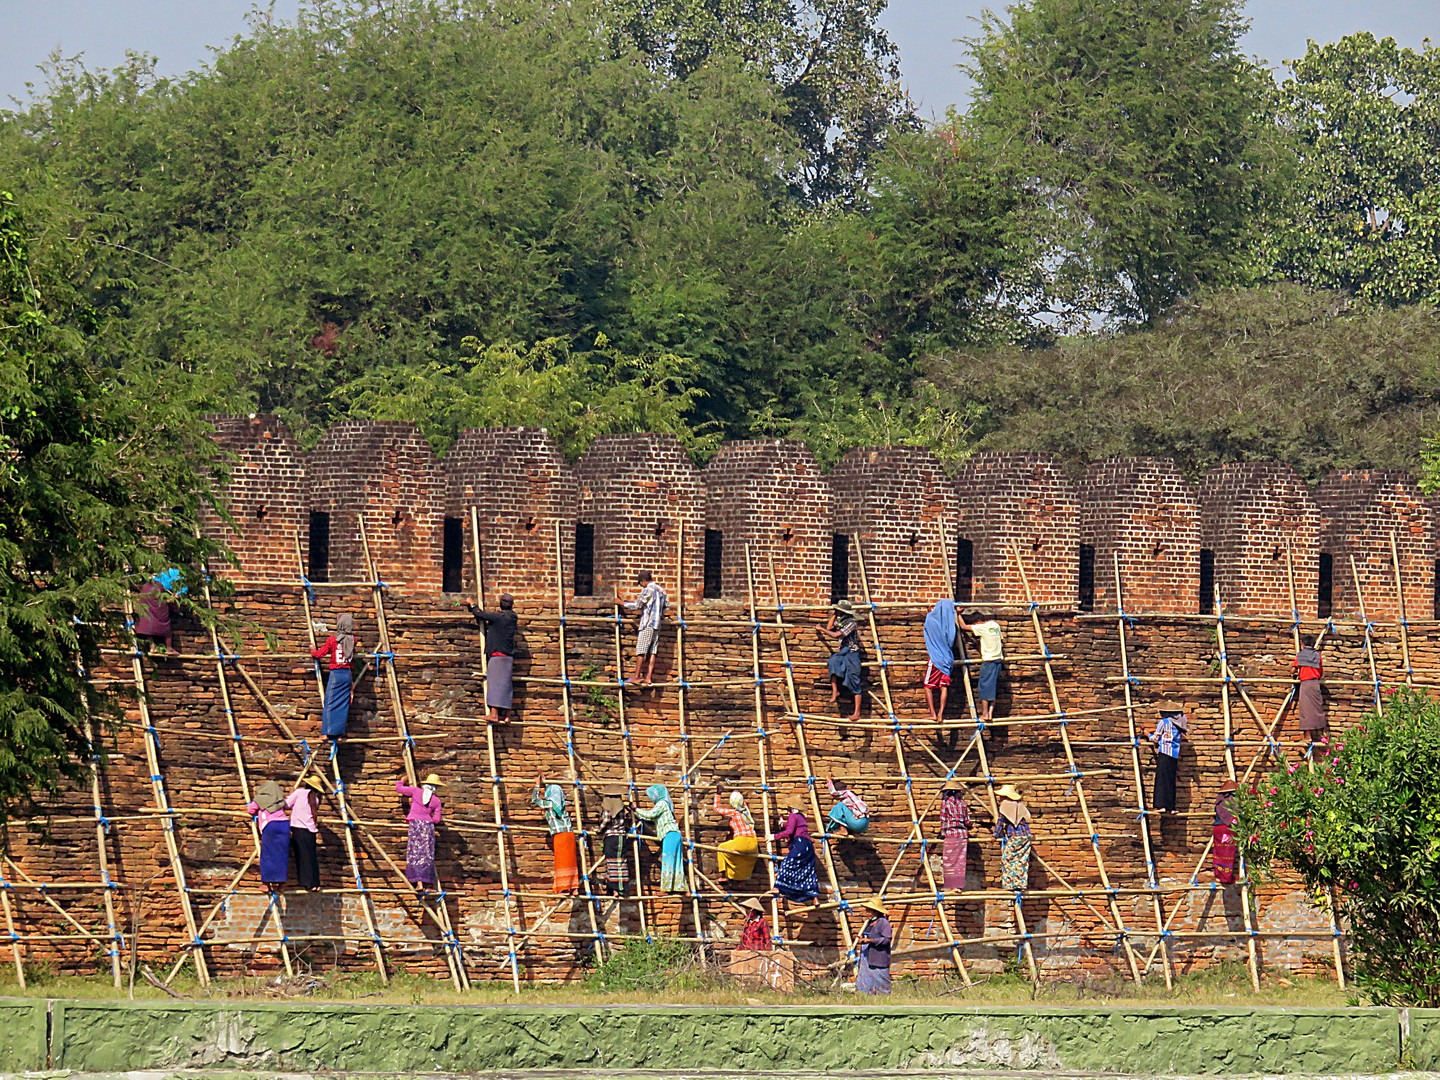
[659,964]
[1366,823]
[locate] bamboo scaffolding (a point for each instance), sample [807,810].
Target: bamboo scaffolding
[683,721]
[117,941]
[761,745]
[1400,607]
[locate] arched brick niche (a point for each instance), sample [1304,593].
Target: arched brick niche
[522,489]
[386,472]
[1009,500]
[265,498]
[1359,511]
[1257,519]
[1143,511]
[637,494]
[768,494]
[893,498]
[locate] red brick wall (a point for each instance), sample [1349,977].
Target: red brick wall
[1360,510]
[1008,499]
[265,497]
[894,499]
[769,494]
[387,472]
[639,491]
[1259,518]
[1144,511]
[523,488]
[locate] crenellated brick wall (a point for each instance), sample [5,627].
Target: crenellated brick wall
[1143,511]
[1009,500]
[1361,511]
[266,497]
[1261,524]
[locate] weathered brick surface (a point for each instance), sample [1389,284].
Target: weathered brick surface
[1011,501]
[1143,511]
[265,497]
[1262,524]
[769,495]
[717,718]
[1361,511]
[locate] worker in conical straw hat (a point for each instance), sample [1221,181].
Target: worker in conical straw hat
[304,805]
[420,822]
[872,972]
[1012,828]
[756,934]
[954,832]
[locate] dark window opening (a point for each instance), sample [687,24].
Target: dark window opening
[839,566]
[964,569]
[319,562]
[1327,585]
[714,547]
[1207,582]
[1087,577]
[452,569]
[584,560]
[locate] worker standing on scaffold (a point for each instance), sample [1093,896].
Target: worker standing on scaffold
[992,652]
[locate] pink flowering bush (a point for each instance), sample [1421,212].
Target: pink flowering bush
[1365,823]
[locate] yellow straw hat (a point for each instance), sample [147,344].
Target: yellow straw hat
[874,905]
[433,780]
[313,781]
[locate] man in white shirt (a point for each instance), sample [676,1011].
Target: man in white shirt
[992,652]
[651,603]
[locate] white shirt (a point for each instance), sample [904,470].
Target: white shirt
[651,603]
[992,641]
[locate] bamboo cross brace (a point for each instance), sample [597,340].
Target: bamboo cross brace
[367,903]
[454,957]
[1079,783]
[900,761]
[161,797]
[1167,962]
[218,906]
[495,789]
[798,725]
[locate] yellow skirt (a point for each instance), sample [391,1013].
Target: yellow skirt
[737,857]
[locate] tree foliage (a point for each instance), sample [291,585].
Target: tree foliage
[1365,208]
[104,464]
[1366,824]
[1148,134]
[1319,380]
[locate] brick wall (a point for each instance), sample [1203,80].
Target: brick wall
[770,495]
[387,472]
[1143,511]
[265,497]
[523,489]
[640,492]
[1010,499]
[1360,511]
[1260,520]
[893,498]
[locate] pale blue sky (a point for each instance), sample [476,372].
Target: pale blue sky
[179,31]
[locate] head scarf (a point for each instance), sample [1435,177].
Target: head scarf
[555,796]
[1308,657]
[737,801]
[658,793]
[346,637]
[268,796]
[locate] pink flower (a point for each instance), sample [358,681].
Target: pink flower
[1274,791]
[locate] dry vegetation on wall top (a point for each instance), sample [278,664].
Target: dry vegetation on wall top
[1092,912]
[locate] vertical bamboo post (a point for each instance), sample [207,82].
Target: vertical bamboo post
[762,742]
[273,908]
[1400,605]
[441,912]
[683,721]
[883,668]
[575,786]
[842,907]
[495,792]
[1330,891]
[1079,783]
[1151,876]
[1369,640]
[627,753]
[116,940]
[367,904]
[15,948]
[1251,942]
[162,799]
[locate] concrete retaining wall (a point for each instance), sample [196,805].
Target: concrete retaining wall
[94,1036]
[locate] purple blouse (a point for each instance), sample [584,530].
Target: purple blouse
[418,810]
[796,825]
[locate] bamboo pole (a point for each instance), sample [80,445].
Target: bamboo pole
[683,721]
[367,904]
[117,942]
[1400,606]
[905,769]
[1369,643]
[798,725]
[162,798]
[761,743]
[495,789]
[451,947]
[1167,961]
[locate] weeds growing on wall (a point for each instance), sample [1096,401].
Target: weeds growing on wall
[1364,825]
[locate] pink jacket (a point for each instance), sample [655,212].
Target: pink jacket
[418,810]
[267,816]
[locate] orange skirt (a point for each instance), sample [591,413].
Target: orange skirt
[567,873]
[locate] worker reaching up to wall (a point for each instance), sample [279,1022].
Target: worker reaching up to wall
[500,629]
[940,629]
[340,648]
[551,799]
[992,653]
[1167,736]
[844,663]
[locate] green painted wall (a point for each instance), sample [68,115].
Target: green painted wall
[1422,1050]
[22,1035]
[111,1036]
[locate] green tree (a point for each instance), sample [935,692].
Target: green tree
[1148,134]
[1317,379]
[1365,211]
[104,466]
[1365,823]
